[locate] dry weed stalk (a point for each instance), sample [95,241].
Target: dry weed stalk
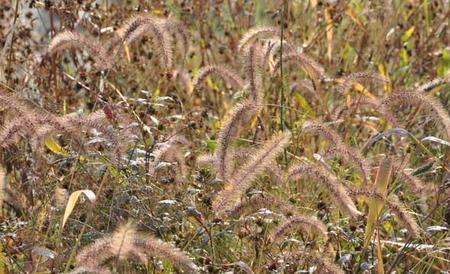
[136,27]
[232,125]
[252,35]
[392,203]
[242,180]
[416,185]
[346,82]
[38,124]
[228,74]
[339,148]
[306,62]
[258,201]
[253,71]
[335,188]
[2,189]
[323,264]
[416,98]
[304,223]
[271,48]
[74,40]
[146,24]
[125,243]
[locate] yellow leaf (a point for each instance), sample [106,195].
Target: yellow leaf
[157,12]
[64,107]
[73,198]
[226,105]
[382,70]
[54,147]
[381,182]
[190,87]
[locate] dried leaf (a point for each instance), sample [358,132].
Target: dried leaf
[73,198]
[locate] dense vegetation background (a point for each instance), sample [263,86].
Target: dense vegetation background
[319,142]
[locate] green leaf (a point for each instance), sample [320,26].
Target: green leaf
[211,144]
[403,57]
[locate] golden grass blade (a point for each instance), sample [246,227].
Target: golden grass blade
[127,52]
[329,33]
[382,70]
[382,179]
[380,265]
[2,189]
